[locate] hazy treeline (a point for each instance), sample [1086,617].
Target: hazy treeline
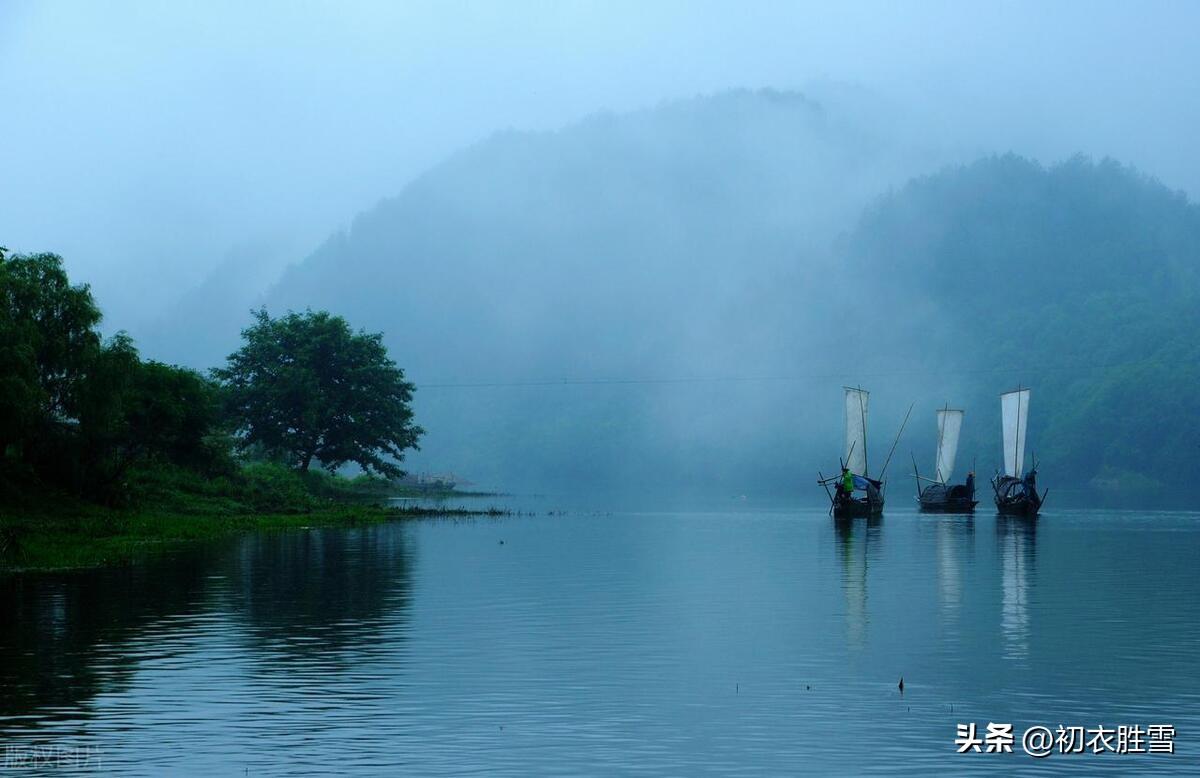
[79,411]
[88,416]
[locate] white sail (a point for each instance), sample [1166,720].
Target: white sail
[856,430]
[1014,407]
[949,426]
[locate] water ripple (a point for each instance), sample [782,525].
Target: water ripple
[644,643]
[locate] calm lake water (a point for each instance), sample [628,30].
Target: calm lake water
[730,640]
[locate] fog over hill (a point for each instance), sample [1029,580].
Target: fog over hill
[1080,280]
[672,298]
[687,241]
[147,143]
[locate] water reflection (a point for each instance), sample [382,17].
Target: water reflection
[63,637]
[955,544]
[303,601]
[322,594]
[856,539]
[663,643]
[1016,543]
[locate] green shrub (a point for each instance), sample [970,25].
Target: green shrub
[271,488]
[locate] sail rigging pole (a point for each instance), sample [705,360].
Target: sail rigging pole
[894,442]
[823,483]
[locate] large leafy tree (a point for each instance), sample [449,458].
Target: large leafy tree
[48,339]
[308,388]
[80,411]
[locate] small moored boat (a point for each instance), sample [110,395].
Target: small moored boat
[939,495]
[855,493]
[1016,491]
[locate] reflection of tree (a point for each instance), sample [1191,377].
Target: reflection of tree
[854,537]
[66,637]
[1016,542]
[300,594]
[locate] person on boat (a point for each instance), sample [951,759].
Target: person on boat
[847,484]
[971,483]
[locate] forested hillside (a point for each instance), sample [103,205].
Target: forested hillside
[1079,280]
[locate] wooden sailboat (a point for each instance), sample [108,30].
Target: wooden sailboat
[854,492]
[1016,490]
[939,495]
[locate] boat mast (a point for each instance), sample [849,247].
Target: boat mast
[937,462]
[863,414]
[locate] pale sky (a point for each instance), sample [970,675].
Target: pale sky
[144,140]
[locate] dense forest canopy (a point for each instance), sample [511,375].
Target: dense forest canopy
[1079,279]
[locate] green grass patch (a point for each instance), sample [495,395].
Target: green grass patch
[45,530]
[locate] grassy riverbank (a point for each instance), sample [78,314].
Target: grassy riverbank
[47,530]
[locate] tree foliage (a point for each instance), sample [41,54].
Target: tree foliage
[79,411]
[1081,280]
[47,341]
[308,388]
[135,411]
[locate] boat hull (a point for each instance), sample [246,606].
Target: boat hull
[1016,496]
[857,508]
[1021,507]
[940,498]
[948,506]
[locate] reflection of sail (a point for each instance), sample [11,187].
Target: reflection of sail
[1016,540]
[955,537]
[854,538]
[856,430]
[1014,407]
[949,425]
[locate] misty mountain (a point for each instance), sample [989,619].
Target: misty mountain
[688,241]
[674,297]
[202,324]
